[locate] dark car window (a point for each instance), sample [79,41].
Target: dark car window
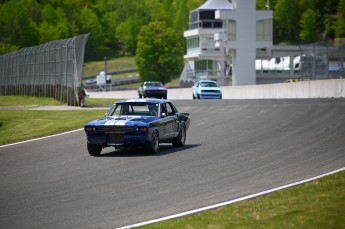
[208,84]
[135,108]
[154,84]
[170,109]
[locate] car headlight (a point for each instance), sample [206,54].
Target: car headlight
[143,129]
[90,129]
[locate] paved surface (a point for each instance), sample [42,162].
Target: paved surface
[234,148]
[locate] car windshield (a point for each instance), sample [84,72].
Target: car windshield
[208,84]
[154,84]
[135,109]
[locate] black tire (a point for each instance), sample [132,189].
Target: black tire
[180,140]
[140,96]
[197,96]
[153,146]
[194,97]
[94,150]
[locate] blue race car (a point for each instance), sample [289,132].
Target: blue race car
[207,89]
[135,122]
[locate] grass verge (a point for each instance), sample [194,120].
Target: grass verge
[115,64]
[26,101]
[99,102]
[316,205]
[20,125]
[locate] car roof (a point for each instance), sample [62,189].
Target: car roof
[149,100]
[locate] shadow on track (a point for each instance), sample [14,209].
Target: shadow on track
[140,151]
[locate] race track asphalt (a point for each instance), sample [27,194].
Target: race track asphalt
[234,148]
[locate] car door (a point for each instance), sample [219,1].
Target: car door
[169,119]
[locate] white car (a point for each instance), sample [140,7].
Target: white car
[207,89]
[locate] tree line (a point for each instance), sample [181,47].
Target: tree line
[151,30]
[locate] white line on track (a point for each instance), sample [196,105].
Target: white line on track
[232,201]
[36,139]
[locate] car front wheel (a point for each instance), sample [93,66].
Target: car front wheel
[94,150]
[153,146]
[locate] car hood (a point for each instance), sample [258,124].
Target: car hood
[123,120]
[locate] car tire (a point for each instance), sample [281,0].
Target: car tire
[140,96]
[198,96]
[194,97]
[94,150]
[153,146]
[180,140]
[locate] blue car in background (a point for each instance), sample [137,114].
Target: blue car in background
[207,89]
[138,122]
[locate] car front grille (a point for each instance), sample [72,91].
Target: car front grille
[210,91]
[116,129]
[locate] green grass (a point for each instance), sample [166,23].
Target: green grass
[128,86]
[25,101]
[318,204]
[116,64]
[19,125]
[99,102]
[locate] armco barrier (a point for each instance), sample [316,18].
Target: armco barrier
[334,88]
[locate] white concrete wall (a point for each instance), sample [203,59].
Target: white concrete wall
[334,88]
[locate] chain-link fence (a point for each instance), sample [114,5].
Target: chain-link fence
[53,69]
[322,61]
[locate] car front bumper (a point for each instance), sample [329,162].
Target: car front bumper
[118,140]
[210,96]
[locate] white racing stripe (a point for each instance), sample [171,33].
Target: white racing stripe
[232,201]
[121,122]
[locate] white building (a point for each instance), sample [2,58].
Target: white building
[223,39]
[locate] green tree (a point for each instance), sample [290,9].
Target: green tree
[159,54]
[88,22]
[54,24]
[127,34]
[181,20]
[286,20]
[110,23]
[310,26]
[340,21]
[16,25]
